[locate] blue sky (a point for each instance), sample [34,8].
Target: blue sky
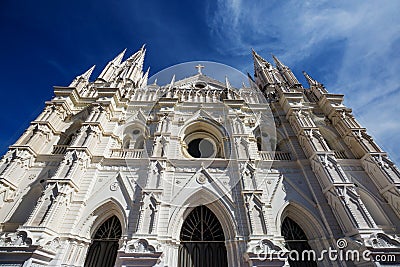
[350,46]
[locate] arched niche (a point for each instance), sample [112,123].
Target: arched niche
[266,138]
[67,137]
[374,209]
[134,136]
[335,142]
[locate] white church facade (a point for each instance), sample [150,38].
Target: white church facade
[119,171]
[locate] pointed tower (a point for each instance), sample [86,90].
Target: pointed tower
[80,81]
[268,78]
[262,70]
[287,74]
[109,71]
[132,68]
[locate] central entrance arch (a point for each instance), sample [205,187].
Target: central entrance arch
[202,240]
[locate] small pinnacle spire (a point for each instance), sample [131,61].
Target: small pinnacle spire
[85,76]
[88,73]
[172,82]
[259,61]
[227,83]
[310,80]
[145,77]
[118,59]
[278,63]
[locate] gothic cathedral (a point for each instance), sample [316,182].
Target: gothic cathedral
[197,171]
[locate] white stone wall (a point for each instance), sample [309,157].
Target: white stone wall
[80,162]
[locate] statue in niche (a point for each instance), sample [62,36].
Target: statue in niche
[160,147]
[163,125]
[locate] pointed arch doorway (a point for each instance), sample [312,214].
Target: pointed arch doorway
[296,239]
[202,240]
[103,250]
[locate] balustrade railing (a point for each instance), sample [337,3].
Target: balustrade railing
[275,155]
[340,154]
[126,153]
[59,149]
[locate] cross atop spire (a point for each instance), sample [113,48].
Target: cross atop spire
[199,67]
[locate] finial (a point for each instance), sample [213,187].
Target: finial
[87,74]
[227,83]
[172,82]
[278,63]
[199,67]
[310,80]
[118,59]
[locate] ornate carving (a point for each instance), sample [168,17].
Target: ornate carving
[139,246]
[17,239]
[381,240]
[114,186]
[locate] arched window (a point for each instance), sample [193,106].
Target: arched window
[134,139]
[296,239]
[202,240]
[266,139]
[103,250]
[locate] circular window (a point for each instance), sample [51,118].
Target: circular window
[135,132]
[200,85]
[201,148]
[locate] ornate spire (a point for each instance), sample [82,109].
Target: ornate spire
[171,84]
[137,57]
[278,63]
[118,59]
[227,83]
[88,73]
[314,83]
[132,67]
[262,71]
[287,73]
[311,82]
[85,76]
[259,62]
[108,71]
[145,78]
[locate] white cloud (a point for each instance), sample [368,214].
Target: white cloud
[367,69]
